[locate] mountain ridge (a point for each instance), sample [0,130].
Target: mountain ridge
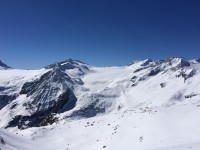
[3,65]
[73,96]
[76,61]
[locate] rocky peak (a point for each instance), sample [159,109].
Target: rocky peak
[146,62]
[3,65]
[178,62]
[173,63]
[150,68]
[70,64]
[44,93]
[51,93]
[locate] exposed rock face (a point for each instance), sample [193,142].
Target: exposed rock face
[162,85]
[90,111]
[46,91]
[198,60]
[190,95]
[178,62]
[140,69]
[185,74]
[146,62]
[154,72]
[161,66]
[36,120]
[49,120]
[7,95]
[3,65]
[2,141]
[6,99]
[70,64]
[50,94]
[134,79]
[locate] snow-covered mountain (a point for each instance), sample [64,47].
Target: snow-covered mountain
[72,105]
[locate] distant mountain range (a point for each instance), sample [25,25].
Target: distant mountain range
[73,91]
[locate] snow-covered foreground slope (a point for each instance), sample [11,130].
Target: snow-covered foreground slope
[175,128]
[146,105]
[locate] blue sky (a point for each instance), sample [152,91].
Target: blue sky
[34,33]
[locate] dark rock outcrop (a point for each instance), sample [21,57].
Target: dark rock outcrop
[6,99]
[140,69]
[154,72]
[198,60]
[4,65]
[184,63]
[49,120]
[186,74]
[52,93]
[36,120]
[2,141]
[162,85]
[70,64]
[42,117]
[180,62]
[89,111]
[162,66]
[44,92]
[94,108]
[190,95]
[146,62]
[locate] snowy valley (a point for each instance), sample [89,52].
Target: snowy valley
[70,105]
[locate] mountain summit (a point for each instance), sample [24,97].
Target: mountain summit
[3,65]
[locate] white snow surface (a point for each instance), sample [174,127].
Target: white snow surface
[142,117]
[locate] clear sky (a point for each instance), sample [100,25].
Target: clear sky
[34,33]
